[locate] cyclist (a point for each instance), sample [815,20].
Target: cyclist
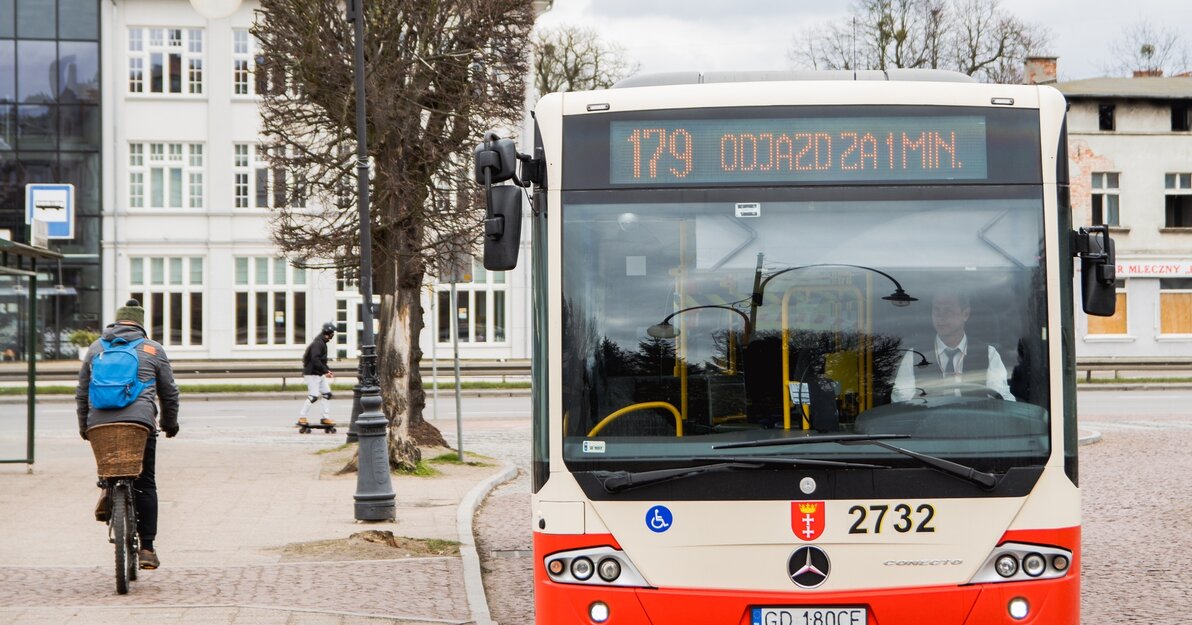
[317,374]
[154,367]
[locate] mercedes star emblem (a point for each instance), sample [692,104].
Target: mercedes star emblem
[809,567]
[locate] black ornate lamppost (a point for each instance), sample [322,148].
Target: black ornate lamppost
[374,489]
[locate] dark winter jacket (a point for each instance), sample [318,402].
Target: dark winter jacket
[314,361]
[153,365]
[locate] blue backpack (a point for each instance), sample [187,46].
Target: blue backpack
[114,382]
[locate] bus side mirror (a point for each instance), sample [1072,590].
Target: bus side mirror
[502,228]
[497,157]
[1098,264]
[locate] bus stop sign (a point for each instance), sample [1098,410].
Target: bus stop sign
[52,204]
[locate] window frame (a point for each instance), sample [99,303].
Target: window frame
[253,288]
[483,284]
[1177,185]
[144,42]
[147,290]
[1185,289]
[1107,117]
[1122,299]
[1100,185]
[190,159]
[249,168]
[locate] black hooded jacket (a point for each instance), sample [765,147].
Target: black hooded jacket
[314,361]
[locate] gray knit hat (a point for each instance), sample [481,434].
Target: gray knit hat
[131,311]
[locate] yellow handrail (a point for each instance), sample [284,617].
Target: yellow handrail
[642,406]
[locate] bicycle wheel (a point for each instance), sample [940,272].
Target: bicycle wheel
[120,536]
[134,541]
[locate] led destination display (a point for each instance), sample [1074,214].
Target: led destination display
[822,150]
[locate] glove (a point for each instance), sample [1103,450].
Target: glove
[83,433]
[171,432]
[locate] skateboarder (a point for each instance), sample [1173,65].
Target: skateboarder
[317,376]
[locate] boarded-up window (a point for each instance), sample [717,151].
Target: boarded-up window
[1175,306]
[1115,324]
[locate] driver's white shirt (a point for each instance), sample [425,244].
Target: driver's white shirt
[995,376]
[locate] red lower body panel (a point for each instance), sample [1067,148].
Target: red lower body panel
[1052,602]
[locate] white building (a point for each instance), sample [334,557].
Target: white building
[187,201]
[1130,155]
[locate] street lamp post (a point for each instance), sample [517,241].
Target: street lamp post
[374,490]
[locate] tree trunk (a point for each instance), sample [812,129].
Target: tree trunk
[398,358]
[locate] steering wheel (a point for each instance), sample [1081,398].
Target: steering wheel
[964,389]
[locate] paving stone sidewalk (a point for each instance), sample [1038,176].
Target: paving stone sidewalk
[226,509]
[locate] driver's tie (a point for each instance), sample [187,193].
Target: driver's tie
[950,366]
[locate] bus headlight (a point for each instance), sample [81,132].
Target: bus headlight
[581,568]
[609,569]
[595,566]
[1021,562]
[1006,565]
[1034,565]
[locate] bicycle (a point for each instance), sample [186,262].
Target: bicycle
[119,449]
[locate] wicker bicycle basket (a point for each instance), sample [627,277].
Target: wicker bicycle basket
[118,448]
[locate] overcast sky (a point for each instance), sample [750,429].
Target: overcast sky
[676,35]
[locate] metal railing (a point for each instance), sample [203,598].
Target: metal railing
[68,371]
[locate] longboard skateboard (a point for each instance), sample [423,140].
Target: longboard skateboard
[305,428]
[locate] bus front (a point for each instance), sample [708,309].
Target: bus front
[801,356]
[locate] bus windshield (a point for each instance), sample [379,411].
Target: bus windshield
[696,318]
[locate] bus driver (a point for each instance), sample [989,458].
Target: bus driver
[958,360]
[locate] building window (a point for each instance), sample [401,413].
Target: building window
[1175,305]
[1115,324]
[481,308]
[1105,115]
[244,51]
[1105,199]
[171,290]
[1178,200]
[259,184]
[1181,116]
[172,173]
[271,302]
[165,60]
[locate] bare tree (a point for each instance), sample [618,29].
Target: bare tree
[438,74]
[991,44]
[571,58]
[976,37]
[1150,49]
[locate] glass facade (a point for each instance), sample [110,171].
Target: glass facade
[50,132]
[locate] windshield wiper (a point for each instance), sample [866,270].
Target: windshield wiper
[618,481]
[981,478]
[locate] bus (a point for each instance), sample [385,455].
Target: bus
[803,349]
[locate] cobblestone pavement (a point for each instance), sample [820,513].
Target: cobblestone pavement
[1137,502]
[394,590]
[502,525]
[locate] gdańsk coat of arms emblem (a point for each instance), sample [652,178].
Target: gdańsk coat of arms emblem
[807,519]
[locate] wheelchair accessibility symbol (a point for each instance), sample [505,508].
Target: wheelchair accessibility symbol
[659,519]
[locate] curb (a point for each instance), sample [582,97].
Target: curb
[473,576]
[1088,437]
